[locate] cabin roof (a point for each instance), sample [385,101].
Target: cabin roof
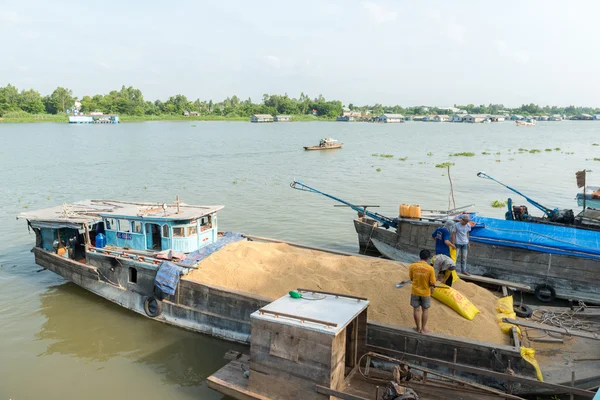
[88,211]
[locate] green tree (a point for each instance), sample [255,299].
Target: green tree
[9,97]
[31,102]
[59,101]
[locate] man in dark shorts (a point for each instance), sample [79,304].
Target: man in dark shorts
[422,276]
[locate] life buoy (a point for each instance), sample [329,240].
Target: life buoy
[152,306]
[523,310]
[545,293]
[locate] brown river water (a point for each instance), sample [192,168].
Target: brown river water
[58,341]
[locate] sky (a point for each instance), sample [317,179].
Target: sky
[361,52]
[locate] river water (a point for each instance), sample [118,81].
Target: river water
[58,341]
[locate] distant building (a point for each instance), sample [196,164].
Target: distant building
[555,117]
[543,118]
[516,117]
[441,118]
[186,113]
[283,118]
[261,118]
[429,118]
[476,118]
[391,118]
[496,118]
[345,118]
[453,110]
[583,117]
[354,113]
[597,117]
[458,117]
[419,118]
[194,114]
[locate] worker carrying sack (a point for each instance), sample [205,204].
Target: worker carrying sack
[455,300]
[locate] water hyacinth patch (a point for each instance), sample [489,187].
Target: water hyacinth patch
[498,204]
[444,165]
[464,154]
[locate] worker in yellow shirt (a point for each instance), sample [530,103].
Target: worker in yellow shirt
[422,276]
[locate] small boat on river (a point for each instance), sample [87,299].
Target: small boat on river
[325,144]
[526,122]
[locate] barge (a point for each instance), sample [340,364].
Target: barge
[131,254]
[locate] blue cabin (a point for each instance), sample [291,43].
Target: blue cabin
[148,227]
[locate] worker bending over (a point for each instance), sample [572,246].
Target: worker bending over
[422,276]
[443,267]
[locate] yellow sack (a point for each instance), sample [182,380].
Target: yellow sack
[505,305]
[528,355]
[456,301]
[505,326]
[453,254]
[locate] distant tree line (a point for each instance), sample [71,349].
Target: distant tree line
[130,101]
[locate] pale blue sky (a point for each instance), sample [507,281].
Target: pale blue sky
[392,52]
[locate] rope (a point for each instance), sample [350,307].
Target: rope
[570,319]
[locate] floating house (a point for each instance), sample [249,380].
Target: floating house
[476,118]
[94,119]
[283,118]
[391,118]
[261,118]
[555,117]
[543,118]
[441,118]
[516,117]
[458,117]
[353,113]
[345,118]
[583,117]
[496,118]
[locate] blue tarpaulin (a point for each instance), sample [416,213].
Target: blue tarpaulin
[537,236]
[167,277]
[200,254]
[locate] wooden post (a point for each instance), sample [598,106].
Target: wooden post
[454,360]
[177,202]
[571,395]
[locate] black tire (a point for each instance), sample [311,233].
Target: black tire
[523,310]
[152,306]
[545,293]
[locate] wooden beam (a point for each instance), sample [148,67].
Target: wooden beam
[479,371]
[331,294]
[497,282]
[549,328]
[340,395]
[515,337]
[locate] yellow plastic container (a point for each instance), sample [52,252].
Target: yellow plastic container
[404,211]
[415,211]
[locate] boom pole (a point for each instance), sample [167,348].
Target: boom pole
[386,221]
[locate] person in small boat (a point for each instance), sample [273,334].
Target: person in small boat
[460,238]
[442,236]
[422,276]
[443,266]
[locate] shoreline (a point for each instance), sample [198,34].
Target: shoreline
[134,118]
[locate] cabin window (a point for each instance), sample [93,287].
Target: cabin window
[178,231]
[132,275]
[205,223]
[165,231]
[137,227]
[110,224]
[192,230]
[124,225]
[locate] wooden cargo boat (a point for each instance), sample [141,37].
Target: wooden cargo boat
[130,270]
[325,144]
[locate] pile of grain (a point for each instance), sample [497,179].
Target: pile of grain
[272,270]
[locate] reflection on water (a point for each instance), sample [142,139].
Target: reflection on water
[82,325]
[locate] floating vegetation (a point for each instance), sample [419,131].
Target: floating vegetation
[145,188]
[375,155]
[557,149]
[234,182]
[402,158]
[596,159]
[464,154]
[498,204]
[430,153]
[386,155]
[485,153]
[547,149]
[378,170]
[595,144]
[498,160]
[421,162]
[588,170]
[47,197]
[511,159]
[569,152]
[498,153]
[522,150]
[444,165]
[533,151]
[26,206]
[193,126]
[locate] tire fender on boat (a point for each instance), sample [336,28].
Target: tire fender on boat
[152,306]
[523,310]
[545,293]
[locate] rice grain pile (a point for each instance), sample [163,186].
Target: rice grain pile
[272,270]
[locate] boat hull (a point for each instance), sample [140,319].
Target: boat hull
[310,148]
[572,278]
